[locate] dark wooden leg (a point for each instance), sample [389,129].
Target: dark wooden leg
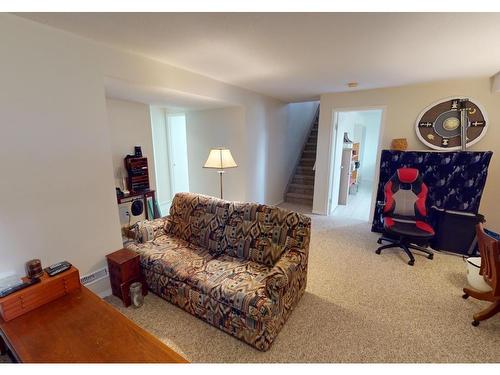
[488,312]
[482,296]
[3,347]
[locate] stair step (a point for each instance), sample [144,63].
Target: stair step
[307,162]
[300,195]
[299,198]
[301,189]
[309,154]
[305,171]
[310,147]
[305,177]
[309,183]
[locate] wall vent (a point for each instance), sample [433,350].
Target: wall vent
[94,276]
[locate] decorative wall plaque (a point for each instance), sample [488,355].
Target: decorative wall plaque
[443,124]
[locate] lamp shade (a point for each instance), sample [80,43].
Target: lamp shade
[220,158]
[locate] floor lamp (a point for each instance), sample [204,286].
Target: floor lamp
[220,158]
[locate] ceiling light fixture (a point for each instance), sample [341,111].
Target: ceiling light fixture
[352,84]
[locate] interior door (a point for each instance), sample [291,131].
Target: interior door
[177,142]
[345,176]
[338,143]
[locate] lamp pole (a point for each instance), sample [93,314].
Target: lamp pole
[221,172]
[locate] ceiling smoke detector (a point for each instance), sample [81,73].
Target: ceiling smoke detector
[352,84]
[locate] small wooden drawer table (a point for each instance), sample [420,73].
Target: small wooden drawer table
[124,269]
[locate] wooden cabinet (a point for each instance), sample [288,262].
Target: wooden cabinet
[47,290]
[124,269]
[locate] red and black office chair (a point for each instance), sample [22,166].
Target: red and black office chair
[404,214]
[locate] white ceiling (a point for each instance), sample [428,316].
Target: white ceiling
[298,56]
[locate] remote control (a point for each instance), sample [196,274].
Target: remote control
[57,268]
[15,288]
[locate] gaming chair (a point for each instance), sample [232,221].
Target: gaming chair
[404,214]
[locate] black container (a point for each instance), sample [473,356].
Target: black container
[456,232]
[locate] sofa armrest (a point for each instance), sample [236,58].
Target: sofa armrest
[292,263]
[149,230]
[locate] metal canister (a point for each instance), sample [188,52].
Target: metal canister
[136,296]
[34,269]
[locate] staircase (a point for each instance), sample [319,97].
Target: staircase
[300,189]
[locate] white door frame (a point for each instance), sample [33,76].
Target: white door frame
[331,150]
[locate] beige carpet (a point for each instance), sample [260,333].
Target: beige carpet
[358,307]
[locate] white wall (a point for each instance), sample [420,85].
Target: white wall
[57,189]
[403,105]
[212,128]
[59,201]
[129,126]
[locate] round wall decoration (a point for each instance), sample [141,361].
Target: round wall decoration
[439,126]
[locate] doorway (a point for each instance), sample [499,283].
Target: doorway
[170,156]
[355,150]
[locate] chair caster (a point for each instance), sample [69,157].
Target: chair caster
[411,262]
[379,241]
[377,251]
[465,296]
[430,256]
[475,323]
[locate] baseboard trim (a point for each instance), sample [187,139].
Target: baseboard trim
[318,213]
[105,293]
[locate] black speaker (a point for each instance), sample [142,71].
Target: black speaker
[138,152]
[137,207]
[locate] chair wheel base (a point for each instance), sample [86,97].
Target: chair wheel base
[475,323]
[465,296]
[377,252]
[411,262]
[379,241]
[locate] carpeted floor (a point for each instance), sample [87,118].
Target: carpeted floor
[358,307]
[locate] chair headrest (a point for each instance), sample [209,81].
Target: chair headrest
[407,175]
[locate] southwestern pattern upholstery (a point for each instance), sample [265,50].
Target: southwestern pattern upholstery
[241,267]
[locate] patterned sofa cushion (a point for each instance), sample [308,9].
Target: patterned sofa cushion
[238,283]
[262,233]
[198,219]
[235,282]
[172,257]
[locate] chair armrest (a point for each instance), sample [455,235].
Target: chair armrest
[149,230]
[291,263]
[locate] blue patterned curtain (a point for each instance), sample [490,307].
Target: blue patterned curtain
[455,179]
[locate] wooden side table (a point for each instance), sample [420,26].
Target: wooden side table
[124,269]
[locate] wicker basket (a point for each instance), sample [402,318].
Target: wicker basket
[400,144]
